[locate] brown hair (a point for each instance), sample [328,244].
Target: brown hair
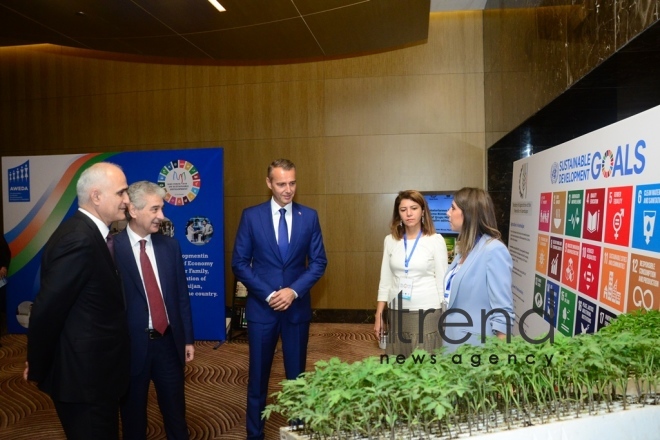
[478,218]
[397,229]
[285,164]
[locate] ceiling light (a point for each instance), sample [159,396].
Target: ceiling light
[217,5]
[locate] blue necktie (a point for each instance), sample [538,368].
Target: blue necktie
[283,234]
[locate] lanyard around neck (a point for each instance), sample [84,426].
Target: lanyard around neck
[405,249]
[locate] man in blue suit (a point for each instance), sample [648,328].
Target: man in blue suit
[159,316]
[278,255]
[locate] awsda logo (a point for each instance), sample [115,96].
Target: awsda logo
[18,179]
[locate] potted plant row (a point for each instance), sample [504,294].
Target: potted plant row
[499,385]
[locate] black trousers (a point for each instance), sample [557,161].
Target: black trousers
[85,421]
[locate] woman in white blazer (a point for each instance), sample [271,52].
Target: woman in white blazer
[411,278]
[478,282]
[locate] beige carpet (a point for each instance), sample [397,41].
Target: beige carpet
[216,384]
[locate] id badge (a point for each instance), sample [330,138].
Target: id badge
[405,288]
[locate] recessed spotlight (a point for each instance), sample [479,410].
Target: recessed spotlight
[217,5]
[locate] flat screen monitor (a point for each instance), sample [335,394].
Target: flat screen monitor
[439,202]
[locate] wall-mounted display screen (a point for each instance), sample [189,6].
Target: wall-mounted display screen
[439,202]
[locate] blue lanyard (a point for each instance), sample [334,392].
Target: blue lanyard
[405,249]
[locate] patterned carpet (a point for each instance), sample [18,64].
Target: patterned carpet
[216,384]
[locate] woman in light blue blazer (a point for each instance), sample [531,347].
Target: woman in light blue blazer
[478,282]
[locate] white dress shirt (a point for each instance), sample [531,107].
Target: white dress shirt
[134,239]
[103,228]
[275,208]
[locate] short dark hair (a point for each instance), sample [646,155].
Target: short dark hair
[285,164]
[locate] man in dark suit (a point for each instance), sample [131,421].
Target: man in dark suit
[78,348]
[160,326]
[278,255]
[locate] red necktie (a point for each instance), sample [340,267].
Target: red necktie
[156,305]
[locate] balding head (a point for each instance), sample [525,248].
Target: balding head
[101,191]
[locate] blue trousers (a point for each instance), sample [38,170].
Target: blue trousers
[262,338]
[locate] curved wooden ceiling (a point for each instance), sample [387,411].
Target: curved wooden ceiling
[265,31]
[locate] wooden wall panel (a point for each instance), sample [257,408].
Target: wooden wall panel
[83,76]
[404,104]
[209,76]
[350,281]
[21,76]
[195,113]
[25,114]
[246,164]
[457,42]
[8,72]
[39,76]
[261,111]
[455,45]
[7,121]
[161,117]
[358,222]
[49,130]
[359,130]
[75,108]
[389,164]
[524,99]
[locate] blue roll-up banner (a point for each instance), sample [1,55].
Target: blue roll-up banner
[40,192]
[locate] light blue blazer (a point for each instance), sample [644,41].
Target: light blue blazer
[482,283]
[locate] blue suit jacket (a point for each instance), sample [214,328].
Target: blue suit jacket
[172,276]
[483,283]
[257,263]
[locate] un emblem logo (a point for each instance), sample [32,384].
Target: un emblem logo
[554,173]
